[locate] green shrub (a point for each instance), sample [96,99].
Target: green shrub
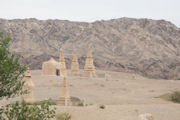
[75,101]
[50,102]
[102,106]
[23,111]
[175,96]
[80,104]
[63,116]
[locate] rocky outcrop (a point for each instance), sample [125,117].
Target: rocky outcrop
[144,46]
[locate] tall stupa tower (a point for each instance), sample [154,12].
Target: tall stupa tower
[89,68]
[74,64]
[65,99]
[63,72]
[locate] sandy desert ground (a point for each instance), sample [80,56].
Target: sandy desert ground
[124,95]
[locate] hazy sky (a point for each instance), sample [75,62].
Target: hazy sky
[91,10]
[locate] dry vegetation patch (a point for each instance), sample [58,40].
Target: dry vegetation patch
[174,96]
[63,116]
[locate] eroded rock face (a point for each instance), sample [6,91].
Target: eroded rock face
[144,46]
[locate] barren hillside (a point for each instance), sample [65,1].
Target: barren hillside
[145,46]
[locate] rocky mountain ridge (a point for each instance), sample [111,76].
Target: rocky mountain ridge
[148,47]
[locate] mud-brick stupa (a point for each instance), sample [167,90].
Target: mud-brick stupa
[89,68]
[51,67]
[65,99]
[29,85]
[75,64]
[63,72]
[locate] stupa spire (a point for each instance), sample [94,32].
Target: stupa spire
[62,64]
[89,68]
[74,64]
[89,55]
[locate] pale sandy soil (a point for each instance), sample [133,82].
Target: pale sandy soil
[124,95]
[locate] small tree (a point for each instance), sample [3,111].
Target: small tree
[11,72]
[11,83]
